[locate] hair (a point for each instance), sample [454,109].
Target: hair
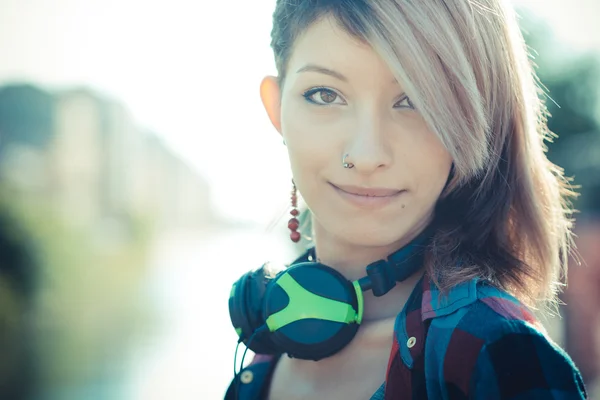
[505,214]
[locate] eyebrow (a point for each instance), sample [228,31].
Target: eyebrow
[322,70]
[327,71]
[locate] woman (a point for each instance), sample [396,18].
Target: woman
[415,136]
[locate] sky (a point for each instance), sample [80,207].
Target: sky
[190,71]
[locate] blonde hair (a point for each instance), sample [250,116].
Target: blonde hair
[505,214]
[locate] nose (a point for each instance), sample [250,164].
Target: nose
[367,147]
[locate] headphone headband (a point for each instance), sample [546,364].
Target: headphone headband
[382,275]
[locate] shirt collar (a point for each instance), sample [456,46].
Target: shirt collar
[434,304]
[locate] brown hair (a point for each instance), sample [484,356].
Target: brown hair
[504,215]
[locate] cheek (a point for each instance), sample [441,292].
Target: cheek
[306,141]
[313,136]
[429,162]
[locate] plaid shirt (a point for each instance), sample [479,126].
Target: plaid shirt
[477,342]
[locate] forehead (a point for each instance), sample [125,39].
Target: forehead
[328,44]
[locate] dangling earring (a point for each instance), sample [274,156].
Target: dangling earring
[293,223]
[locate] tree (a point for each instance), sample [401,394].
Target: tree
[572,88]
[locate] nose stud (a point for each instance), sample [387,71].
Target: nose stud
[346,164]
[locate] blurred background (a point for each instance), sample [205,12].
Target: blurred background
[139,177]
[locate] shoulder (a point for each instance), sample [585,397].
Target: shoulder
[483,315]
[494,347]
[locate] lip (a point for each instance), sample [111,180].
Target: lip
[367,197]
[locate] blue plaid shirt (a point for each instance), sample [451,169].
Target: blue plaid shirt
[478,342]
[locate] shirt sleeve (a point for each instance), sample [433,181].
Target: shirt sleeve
[522,363]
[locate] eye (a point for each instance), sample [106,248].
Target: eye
[322,96]
[404,102]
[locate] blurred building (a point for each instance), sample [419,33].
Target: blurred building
[87,188]
[85,155]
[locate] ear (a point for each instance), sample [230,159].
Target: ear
[270,95]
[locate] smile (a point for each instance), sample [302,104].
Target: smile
[367,197]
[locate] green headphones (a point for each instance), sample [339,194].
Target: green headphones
[309,310]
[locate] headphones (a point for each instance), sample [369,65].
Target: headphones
[309,310]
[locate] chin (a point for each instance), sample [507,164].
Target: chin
[378,237]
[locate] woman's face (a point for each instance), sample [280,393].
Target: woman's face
[339,98]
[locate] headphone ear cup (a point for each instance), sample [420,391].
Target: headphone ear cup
[320,307]
[246,311]
[237,308]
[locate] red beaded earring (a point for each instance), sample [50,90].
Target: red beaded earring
[293,223]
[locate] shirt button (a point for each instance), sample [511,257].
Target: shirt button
[247,377]
[411,342]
